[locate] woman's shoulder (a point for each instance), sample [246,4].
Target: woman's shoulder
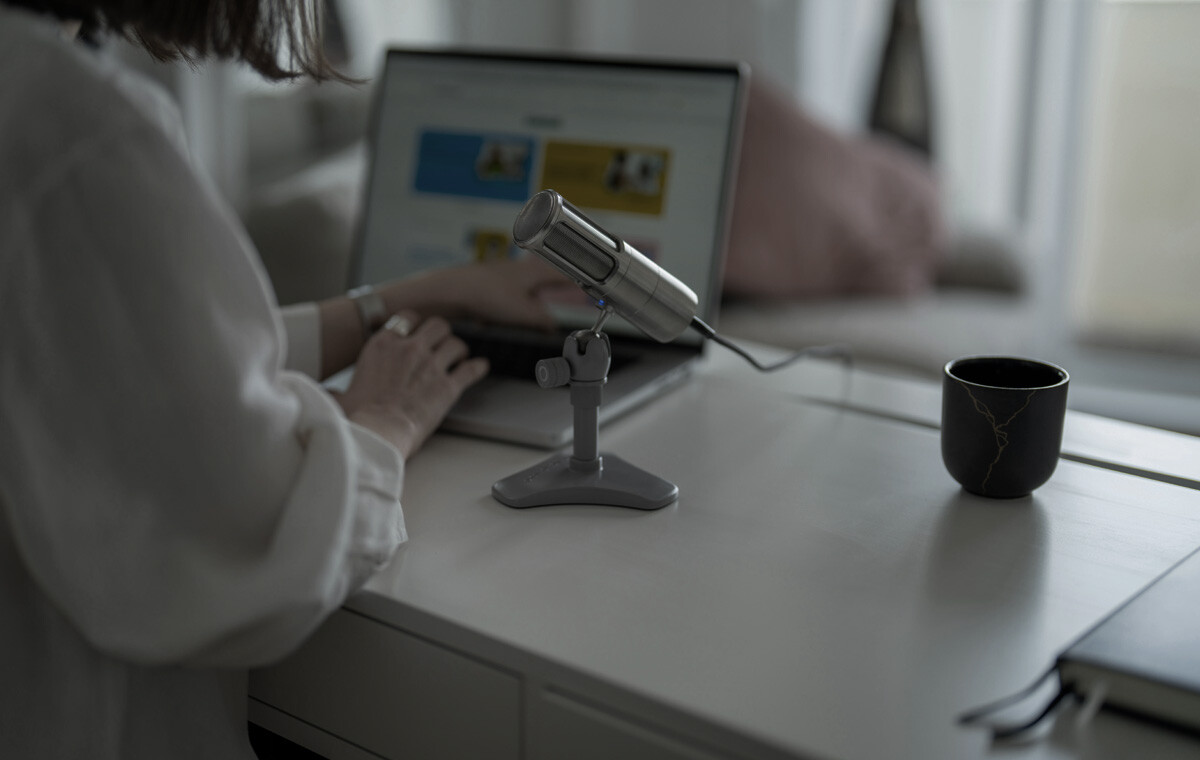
[61,96]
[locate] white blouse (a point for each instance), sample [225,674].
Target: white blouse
[175,505]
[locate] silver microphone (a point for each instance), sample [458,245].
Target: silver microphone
[606,267]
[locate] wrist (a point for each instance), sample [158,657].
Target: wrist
[371,308]
[397,429]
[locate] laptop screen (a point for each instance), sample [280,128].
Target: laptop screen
[461,141]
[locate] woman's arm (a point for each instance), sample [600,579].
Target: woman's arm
[504,292]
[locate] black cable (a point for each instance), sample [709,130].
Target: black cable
[1007,730]
[837,350]
[1002,731]
[990,708]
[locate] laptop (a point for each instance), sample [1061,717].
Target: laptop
[460,140]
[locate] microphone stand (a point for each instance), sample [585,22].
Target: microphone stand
[586,476]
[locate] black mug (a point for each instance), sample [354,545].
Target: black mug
[1002,423]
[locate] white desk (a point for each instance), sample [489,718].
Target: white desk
[822,588]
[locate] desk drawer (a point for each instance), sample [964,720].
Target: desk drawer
[568,728]
[395,694]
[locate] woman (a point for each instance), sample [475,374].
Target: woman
[178,503]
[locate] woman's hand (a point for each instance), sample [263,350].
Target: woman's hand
[404,385]
[506,292]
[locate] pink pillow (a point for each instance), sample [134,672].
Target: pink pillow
[817,213]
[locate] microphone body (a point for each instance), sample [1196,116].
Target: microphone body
[607,268]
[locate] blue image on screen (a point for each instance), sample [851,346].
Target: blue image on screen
[496,167]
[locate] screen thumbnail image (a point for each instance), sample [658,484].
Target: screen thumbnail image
[633,171]
[491,245]
[472,165]
[631,179]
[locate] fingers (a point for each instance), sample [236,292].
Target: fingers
[434,334]
[435,340]
[408,377]
[402,323]
[450,353]
[467,373]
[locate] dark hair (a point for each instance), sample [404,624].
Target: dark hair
[260,32]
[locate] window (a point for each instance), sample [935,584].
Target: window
[1137,258]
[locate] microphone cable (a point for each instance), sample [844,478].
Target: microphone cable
[836,351]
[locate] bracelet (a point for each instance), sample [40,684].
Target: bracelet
[371,309]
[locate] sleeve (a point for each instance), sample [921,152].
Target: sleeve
[302,324]
[178,494]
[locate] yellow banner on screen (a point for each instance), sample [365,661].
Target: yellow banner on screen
[610,177]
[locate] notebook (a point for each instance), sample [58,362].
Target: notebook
[1145,656]
[1140,659]
[459,141]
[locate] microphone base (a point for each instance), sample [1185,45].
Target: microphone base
[607,481]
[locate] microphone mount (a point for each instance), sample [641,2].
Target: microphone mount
[586,476]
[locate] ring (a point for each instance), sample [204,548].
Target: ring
[399,325]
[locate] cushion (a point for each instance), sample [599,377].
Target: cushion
[818,213]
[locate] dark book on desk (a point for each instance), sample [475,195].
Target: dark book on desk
[1146,654]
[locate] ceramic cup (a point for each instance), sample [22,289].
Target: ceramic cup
[1002,423]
